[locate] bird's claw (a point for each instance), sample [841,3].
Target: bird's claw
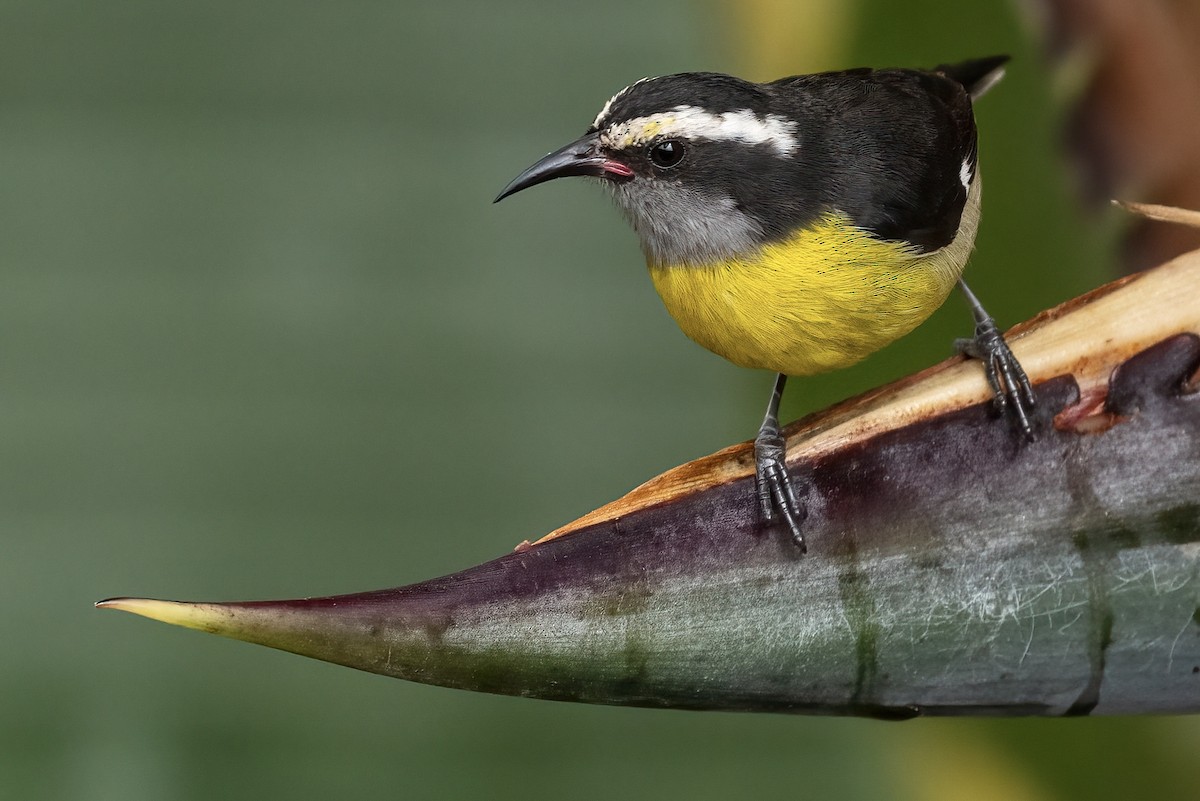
[1010,386]
[776,497]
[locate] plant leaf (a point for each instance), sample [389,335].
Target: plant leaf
[952,568]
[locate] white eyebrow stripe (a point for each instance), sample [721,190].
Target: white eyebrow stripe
[608,106]
[690,122]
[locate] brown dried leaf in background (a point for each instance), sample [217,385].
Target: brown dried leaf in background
[1133,72]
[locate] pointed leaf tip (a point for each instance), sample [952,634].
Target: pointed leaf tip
[177,613]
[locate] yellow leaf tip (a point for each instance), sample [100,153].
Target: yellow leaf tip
[177,613]
[120,603]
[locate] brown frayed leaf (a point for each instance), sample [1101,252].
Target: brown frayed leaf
[1171,214]
[1133,75]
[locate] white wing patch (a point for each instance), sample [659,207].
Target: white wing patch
[964,173]
[690,122]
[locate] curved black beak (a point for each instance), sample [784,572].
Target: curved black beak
[581,157]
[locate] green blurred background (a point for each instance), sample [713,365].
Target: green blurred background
[263,335]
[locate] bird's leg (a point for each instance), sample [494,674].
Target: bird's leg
[1004,373]
[776,497]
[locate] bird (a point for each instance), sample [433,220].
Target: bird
[802,224]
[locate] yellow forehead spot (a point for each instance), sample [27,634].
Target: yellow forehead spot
[638,132]
[651,129]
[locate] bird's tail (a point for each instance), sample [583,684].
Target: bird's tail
[977,75]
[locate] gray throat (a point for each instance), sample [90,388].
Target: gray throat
[682,227]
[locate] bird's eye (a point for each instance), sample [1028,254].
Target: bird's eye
[666,154]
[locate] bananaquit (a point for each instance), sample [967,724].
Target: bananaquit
[800,225]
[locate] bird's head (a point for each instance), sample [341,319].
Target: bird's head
[692,159]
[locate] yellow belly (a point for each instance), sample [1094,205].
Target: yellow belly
[823,299]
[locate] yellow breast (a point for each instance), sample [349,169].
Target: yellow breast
[822,299]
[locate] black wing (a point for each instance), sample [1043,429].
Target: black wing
[889,148]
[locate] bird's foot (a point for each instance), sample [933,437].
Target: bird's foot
[1011,387]
[776,497]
